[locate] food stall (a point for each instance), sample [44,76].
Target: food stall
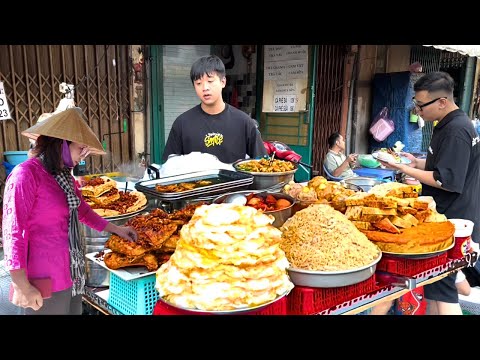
[385,274]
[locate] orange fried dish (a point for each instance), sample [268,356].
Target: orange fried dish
[423,238]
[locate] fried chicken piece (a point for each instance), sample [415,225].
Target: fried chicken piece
[116,261]
[126,247]
[170,244]
[186,213]
[158,235]
[139,221]
[162,257]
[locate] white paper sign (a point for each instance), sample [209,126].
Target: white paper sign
[284,103]
[4,110]
[285,75]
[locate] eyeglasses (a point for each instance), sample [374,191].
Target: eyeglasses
[420,107]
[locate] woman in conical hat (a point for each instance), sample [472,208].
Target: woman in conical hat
[42,210]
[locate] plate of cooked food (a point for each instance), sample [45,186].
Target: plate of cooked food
[390,157]
[420,255]
[237,311]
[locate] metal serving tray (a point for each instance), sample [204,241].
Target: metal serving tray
[328,279]
[224,180]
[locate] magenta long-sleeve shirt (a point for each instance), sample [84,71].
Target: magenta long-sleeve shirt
[35,224]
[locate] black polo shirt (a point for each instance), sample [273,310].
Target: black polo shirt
[454,158]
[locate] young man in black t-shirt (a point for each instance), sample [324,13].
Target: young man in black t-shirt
[450,173]
[213,126]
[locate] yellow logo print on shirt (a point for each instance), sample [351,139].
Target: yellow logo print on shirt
[213,139]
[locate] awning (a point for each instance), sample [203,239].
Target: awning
[470,50]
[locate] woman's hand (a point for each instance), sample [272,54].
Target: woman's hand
[27,296]
[127,232]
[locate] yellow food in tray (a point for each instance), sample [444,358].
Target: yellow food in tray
[265,165]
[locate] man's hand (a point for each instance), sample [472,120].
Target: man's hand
[410,157]
[352,158]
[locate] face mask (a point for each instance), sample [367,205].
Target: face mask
[420,122]
[66,155]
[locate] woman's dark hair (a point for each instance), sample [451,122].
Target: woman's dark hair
[437,81]
[49,150]
[207,65]
[332,139]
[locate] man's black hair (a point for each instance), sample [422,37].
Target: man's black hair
[332,139]
[207,65]
[437,81]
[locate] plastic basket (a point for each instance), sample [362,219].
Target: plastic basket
[409,267]
[133,297]
[15,157]
[309,301]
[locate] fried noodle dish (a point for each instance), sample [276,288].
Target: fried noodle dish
[320,238]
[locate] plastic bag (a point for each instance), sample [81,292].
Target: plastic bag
[382,126]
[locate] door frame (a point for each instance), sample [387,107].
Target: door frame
[157,125]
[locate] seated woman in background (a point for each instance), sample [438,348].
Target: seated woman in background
[336,162]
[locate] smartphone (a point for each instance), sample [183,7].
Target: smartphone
[44,285]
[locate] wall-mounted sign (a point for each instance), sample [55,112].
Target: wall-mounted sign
[4,110]
[285,76]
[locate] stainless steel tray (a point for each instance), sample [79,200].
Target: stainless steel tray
[224,181]
[328,279]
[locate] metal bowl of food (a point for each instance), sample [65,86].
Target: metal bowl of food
[265,176]
[328,279]
[280,215]
[360,182]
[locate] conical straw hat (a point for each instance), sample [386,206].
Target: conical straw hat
[70,124]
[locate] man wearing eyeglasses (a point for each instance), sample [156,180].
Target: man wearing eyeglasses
[450,173]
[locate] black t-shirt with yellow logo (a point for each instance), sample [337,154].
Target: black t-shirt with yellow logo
[229,135]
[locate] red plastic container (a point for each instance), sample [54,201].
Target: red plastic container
[461,248]
[309,301]
[463,232]
[409,267]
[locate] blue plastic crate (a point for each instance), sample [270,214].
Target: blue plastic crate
[133,297]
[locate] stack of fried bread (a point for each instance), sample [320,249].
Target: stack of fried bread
[228,257]
[158,233]
[392,216]
[103,196]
